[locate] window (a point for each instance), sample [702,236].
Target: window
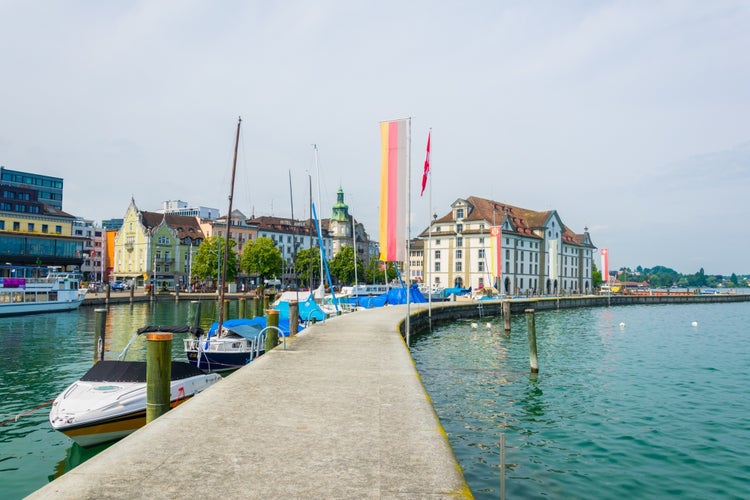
[480,253]
[437,267]
[481,241]
[481,266]
[16,226]
[459,228]
[2,225]
[459,213]
[459,266]
[437,254]
[437,242]
[459,242]
[31,227]
[58,229]
[459,254]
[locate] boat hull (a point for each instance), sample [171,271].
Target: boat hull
[37,307]
[109,401]
[109,430]
[219,361]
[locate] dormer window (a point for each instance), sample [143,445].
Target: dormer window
[459,213]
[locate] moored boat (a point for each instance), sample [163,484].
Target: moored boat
[109,401]
[57,291]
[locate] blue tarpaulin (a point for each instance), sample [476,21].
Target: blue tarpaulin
[308,310]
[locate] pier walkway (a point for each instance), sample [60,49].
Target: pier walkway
[340,413]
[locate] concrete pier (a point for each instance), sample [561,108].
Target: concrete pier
[341,413]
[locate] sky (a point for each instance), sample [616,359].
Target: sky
[629,118]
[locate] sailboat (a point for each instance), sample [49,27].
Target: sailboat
[231,344]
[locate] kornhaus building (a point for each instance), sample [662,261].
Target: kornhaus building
[533,253]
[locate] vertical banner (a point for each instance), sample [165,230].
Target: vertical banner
[496,255]
[394,171]
[605,264]
[554,272]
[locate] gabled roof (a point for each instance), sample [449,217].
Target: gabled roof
[184,226]
[282,225]
[523,220]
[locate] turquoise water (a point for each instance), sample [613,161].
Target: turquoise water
[43,354]
[652,408]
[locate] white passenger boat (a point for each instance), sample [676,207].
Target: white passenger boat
[57,291]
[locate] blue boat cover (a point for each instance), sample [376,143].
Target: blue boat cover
[249,328]
[308,310]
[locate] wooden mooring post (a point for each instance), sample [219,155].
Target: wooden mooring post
[100,322]
[293,317]
[506,315]
[254,307]
[241,307]
[158,373]
[194,314]
[225,305]
[531,327]
[272,335]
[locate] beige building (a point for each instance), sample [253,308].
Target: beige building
[538,254]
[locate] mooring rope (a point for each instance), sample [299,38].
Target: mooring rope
[15,419]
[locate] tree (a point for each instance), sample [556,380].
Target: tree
[596,275]
[261,257]
[308,262]
[342,265]
[206,262]
[374,271]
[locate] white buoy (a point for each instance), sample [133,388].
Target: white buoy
[622,325]
[473,325]
[694,323]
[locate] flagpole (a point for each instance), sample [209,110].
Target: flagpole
[408,236]
[429,243]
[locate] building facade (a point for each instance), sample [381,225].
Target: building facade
[49,190]
[33,233]
[152,247]
[536,253]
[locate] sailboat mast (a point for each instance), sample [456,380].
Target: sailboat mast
[320,243]
[309,180]
[229,224]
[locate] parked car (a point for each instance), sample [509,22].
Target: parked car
[120,285]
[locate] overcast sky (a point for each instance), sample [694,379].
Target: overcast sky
[629,118]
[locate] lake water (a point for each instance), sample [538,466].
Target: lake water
[657,408]
[629,402]
[41,355]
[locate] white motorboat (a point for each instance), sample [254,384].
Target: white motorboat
[109,401]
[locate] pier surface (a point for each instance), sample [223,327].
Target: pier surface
[340,413]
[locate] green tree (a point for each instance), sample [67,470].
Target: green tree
[735,281]
[307,263]
[342,265]
[374,272]
[261,257]
[206,262]
[596,276]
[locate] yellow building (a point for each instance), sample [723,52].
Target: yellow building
[35,234]
[151,246]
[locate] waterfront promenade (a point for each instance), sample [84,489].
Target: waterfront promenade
[340,413]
